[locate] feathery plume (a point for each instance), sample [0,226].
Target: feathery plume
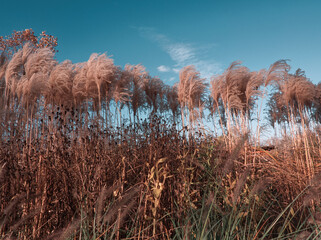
[100,70]
[41,61]
[153,88]
[61,82]
[137,75]
[229,164]
[79,83]
[191,90]
[276,72]
[27,49]
[121,86]
[172,99]
[14,72]
[37,69]
[239,185]
[253,85]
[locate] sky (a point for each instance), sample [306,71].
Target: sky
[165,36]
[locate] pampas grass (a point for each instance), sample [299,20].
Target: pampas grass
[13,73]
[40,61]
[99,74]
[191,90]
[60,84]
[34,87]
[136,74]
[27,73]
[79,83]
[172,100]
[234,94]
[73,164]
[121,85]
[153,88]
[276,72]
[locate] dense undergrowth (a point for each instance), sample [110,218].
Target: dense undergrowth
[155,185]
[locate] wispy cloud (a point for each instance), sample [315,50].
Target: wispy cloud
[176,70]
[163,68]
[180,52]
[183,54]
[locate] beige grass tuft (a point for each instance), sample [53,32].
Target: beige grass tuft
[60,83]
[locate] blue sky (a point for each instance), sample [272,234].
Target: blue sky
[165,36]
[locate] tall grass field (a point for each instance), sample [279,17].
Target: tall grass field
[95,151]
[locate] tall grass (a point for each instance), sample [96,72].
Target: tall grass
[93,151]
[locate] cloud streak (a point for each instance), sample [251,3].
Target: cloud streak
[182,54]
[163,68]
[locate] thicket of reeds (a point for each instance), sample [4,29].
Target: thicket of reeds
[95,151]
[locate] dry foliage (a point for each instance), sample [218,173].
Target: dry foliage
[74,151]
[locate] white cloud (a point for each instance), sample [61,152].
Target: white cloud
[163,68]
[176,70]
[171,79]
[183,54]
[180,53]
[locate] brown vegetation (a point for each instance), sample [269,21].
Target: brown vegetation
[81,156]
